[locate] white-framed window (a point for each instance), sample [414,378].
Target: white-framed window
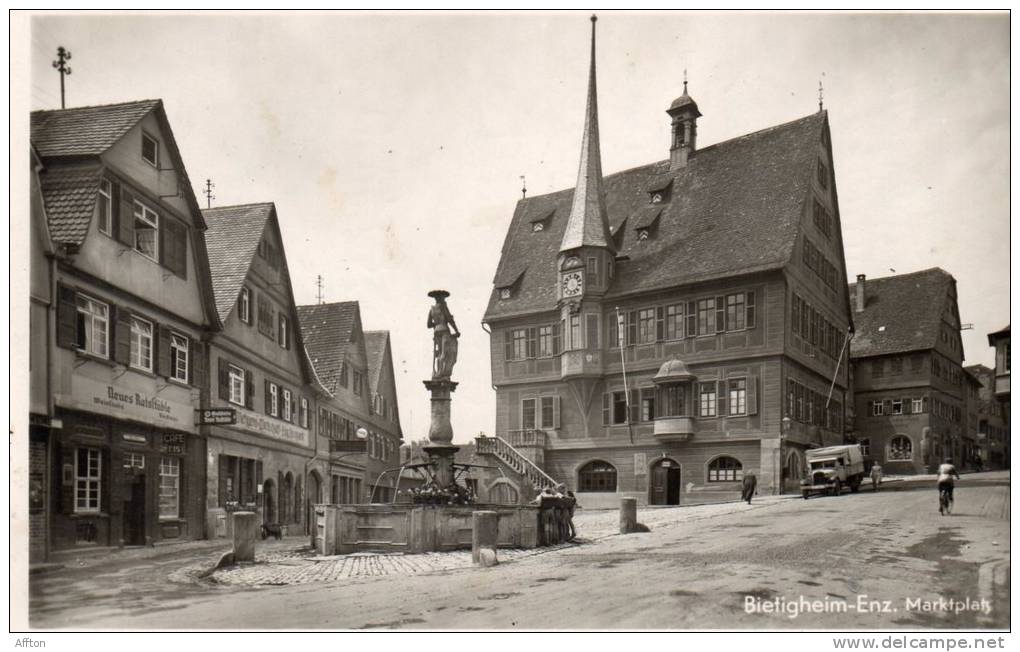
[244,305]
[706,400]
[104,207]
[897,407]
[547,415]
[876,408]
[179,357]
[528,413]
[304,412]
[134,461]
[725,469]
[169,488]
[738,396]
[146,231]
[150,150]
[287,406]
[284,331]
[674,325]
[236,375]
[93,326]
[865,444]
[141,344]
[916,406]
[274,400]
[646,325]
[88,469]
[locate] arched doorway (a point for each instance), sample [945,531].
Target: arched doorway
[314,496]
[793,470]
[664,488]
[268,502]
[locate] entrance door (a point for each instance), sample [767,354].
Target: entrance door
[134,512]
[665,484]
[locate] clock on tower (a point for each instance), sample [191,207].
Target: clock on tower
[573,284]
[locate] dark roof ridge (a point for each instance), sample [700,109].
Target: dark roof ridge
[905,274]
[247,205]
[100,106]
[328,303]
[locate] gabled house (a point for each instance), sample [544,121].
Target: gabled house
[992,428]
[127,361]
[268,459]
[382,382]
[660,331]
[908,378]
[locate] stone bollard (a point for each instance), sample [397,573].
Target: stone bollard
[484,531]
[628,515]
[245,529]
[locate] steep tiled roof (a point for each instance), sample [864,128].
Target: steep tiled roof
[375,349]
[232,237]
[734,208]
[69,195]
[87,130]
[901,313]
[327,330]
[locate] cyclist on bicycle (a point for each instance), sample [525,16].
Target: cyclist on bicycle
[946,473]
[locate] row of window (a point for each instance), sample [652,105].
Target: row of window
[823,219]
[381,406]
[898,406]
[809,324]
[899,449]
[896,365]
[542,412]
[808,406]
[335,426]
[816,261]
[950,337]
[714,398]
[88,481]
[946,411]
[122,215]
[946,370]
[601,476]
[278,329]
[89,325]
[280,403]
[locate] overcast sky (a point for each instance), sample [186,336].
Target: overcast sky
[393,144]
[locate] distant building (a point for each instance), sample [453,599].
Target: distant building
[908,378]
[993,434]
[1000,340]
[666,328]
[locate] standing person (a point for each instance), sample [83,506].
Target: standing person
[876,476]
[946,473]
[571,506]
[749,485]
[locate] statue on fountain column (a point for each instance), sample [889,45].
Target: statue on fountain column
[445,335]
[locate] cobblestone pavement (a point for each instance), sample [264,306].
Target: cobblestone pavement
[300,565]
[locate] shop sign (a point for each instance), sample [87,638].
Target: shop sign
[138,439]
[173,443]
[347,445]
[216,417]
[136,403]
[640,463]
[270,427]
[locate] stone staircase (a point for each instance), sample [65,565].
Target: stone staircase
[513,459]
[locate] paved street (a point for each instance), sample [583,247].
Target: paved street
[695,569]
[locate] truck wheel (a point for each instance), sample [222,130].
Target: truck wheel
[855,487]
[804,494]
[837,488]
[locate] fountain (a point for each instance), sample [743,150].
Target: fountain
[439,514]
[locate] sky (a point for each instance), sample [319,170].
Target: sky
[393,144]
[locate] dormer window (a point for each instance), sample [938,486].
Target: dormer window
[150,150]
[643,234]
[656,197]
[505,293]
[659,190]
[537,226]
[541,221]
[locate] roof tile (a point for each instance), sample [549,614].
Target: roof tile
[87,130]
[232,237]
[327,329]
[69,195]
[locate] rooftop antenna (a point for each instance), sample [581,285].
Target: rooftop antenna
[209,185]
[685,81]
[821,94]
[320,289]
[63,56]
[524,188]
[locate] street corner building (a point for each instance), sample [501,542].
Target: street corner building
[120,300]
[658,332]
[911,392]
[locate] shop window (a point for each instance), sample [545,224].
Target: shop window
[146,231]
[169,487]
[901,449]
[92,326]
[179,357]
[134,461]
[597,476]
[141,344]
[88,469]
[725,469]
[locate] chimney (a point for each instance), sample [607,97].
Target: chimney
[860,293]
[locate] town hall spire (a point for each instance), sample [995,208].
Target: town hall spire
[588,224]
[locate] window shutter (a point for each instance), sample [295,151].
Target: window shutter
[532,344]
[164,363]
[632,328]
[660,323]
[114,208]
[924,404]
[556,339]
[752,395]
[720,314]
[906,405]
[749,311]
[268,398]
[126,221]
[692,319]
[635,406]
[165,253]
[606,403]
[224,471]
[122,335]
[196,355]
[508,341]
[66,456]
[173,246]
[249,382]
[720,396]
[67,317]
[556,412]
[224,380]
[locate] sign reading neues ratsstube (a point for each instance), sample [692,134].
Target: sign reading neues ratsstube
[216,417]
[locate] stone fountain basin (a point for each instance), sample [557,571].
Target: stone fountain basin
[408,528]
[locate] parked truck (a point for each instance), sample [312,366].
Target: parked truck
[832,469]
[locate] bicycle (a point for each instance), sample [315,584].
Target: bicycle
[945,501]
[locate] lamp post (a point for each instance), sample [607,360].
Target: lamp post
[784,432]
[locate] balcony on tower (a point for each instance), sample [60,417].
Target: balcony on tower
[674,385]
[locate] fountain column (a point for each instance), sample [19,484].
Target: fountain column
[441,449]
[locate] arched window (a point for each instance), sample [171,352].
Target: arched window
[725,469]
[900,449]
[597,476]
[504,494]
